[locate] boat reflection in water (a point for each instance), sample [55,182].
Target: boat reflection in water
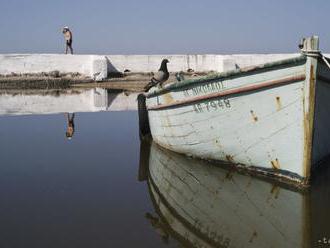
[203,205]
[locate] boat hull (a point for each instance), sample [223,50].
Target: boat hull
[261,118]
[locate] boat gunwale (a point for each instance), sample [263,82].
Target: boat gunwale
[233,91]
[227,75]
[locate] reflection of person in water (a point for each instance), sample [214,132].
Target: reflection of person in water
[69,125]
[159,227]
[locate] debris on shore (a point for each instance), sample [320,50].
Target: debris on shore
[130,81]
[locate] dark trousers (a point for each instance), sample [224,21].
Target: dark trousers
[68,45]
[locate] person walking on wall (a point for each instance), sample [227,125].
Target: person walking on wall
[68,39]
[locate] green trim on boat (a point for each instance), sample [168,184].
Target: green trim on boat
[228,74]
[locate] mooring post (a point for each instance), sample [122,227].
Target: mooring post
[143,116]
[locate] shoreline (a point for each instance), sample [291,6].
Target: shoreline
[134,82]
[125,72]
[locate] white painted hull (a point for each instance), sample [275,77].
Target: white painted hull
[265,128]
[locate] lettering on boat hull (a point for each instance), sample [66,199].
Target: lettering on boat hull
[212,105]
[204,89]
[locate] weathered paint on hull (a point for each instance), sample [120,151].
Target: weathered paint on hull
[261,118]
[205,206]
[321,127]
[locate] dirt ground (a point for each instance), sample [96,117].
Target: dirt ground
[134,82]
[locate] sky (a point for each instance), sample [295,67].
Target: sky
[162,27]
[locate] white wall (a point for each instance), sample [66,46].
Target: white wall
[97,67]
[88,65]
[199,63]
[148,63]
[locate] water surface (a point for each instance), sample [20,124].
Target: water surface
[103,188]
[82,192]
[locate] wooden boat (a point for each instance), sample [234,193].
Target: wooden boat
[272,119]
[201,205]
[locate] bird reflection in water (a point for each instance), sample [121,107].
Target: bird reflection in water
[69,125]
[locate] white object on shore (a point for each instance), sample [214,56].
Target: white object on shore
[99,69]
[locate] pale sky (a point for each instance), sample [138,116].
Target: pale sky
[162,27]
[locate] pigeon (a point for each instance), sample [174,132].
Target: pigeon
[301,43]
[179,76]
[160,77]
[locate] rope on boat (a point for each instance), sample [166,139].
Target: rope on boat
[143,116]
[325,61]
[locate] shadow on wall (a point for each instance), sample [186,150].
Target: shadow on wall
[112,71]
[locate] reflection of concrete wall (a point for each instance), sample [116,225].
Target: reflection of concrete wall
[46,104]
[100,98]
[114,100]
[92,100]
[123,102]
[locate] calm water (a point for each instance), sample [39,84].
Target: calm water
[82,192]
[102,188]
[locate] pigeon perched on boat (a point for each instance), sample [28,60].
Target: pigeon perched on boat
[160,77]
[301,43]
[179,76]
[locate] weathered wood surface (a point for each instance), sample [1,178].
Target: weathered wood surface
[264,122]
[208,206]
[321,134]
[250,128]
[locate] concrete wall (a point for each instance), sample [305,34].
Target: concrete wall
[207,62]
[87,65]
[148,63]
[98,67]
